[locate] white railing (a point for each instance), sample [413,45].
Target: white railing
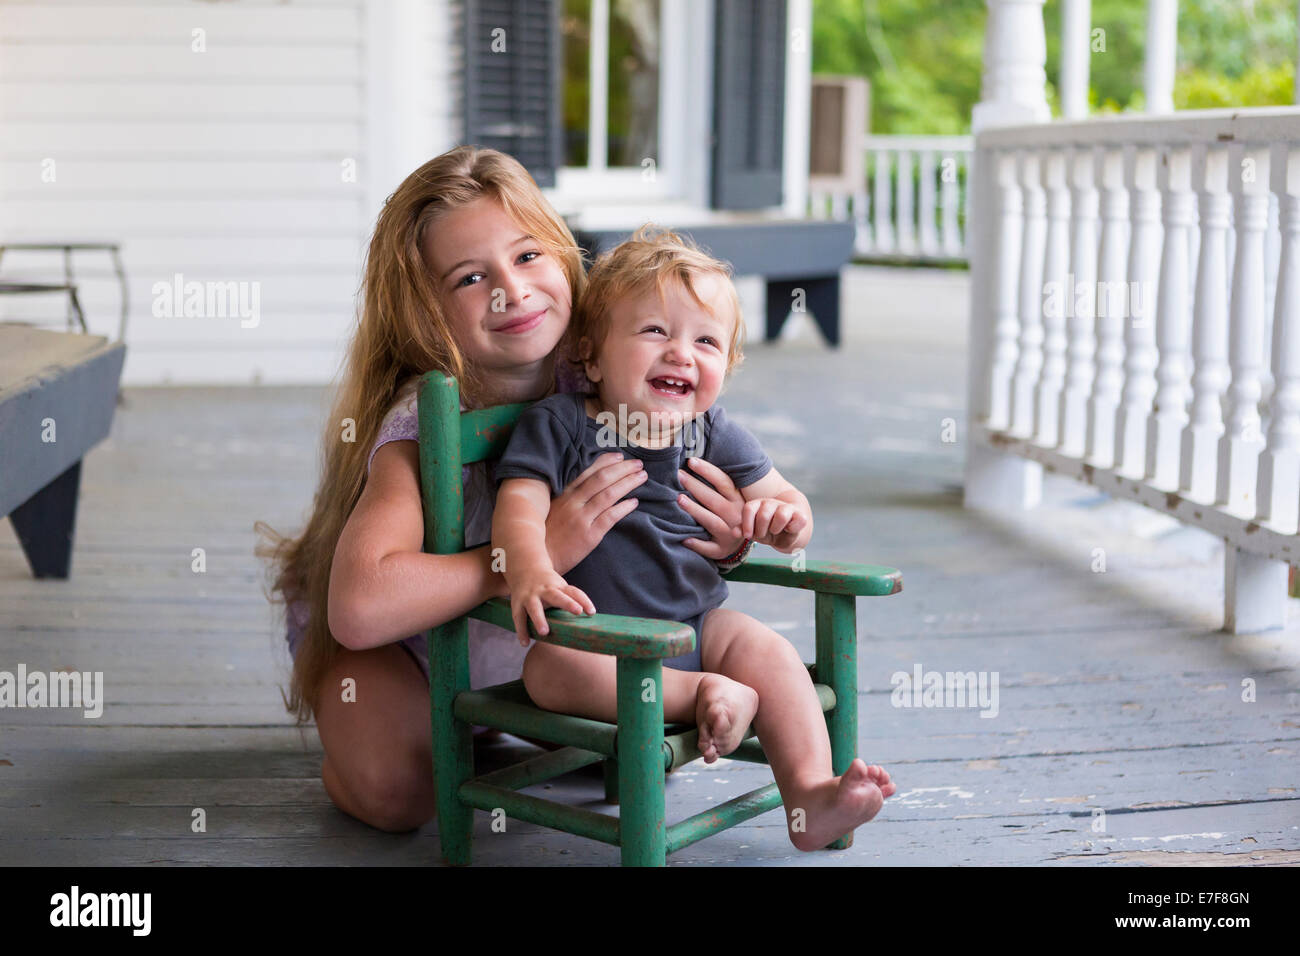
[911,205]
[1128,281]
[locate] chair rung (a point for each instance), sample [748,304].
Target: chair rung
[720,818]
[507,707]
[540,768]
[749,751]
[547,813]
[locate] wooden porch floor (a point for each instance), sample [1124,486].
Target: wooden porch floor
[1115,690]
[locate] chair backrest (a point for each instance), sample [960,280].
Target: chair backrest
[449,440]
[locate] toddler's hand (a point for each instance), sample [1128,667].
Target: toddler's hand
[537,591]
[773,522]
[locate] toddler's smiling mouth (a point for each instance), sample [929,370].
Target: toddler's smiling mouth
[672,386]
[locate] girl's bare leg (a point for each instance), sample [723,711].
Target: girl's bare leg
[378,764]
[820,807]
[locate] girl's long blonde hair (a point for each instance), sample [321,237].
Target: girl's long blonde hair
[402,332]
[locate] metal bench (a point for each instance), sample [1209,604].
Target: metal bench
[58,392]
[114,250]
[790,254]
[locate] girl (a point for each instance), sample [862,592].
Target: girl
[469,272]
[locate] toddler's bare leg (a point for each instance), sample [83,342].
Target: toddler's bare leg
[792,729]
[584,684]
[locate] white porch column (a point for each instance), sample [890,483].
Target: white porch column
[1076,50]
[1162,47]
[400,134]
[1013,91]
[798,105]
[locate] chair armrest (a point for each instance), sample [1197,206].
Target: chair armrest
[635,637]
[826,577]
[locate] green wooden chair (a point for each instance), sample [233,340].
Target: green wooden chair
[639,749]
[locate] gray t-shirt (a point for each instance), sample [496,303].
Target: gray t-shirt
[640,568]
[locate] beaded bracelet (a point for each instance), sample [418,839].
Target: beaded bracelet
[735,560]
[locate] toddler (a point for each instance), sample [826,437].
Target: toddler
[657,330]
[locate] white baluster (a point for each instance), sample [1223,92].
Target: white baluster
[1056,266]
[1006,276]
[1200,442]
[1232,243]
[884,241]
[1080,369]
[968,204]
[1139,331]
[1272,255]
[1112,307]
[1279,463]
[1241,442]
[948,202]
[1173,322]
[862,217]
[1029,361]
[929,238]
[1254,585]
[906,205]
[839,206]
[817,203]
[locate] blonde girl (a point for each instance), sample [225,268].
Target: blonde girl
[472,273]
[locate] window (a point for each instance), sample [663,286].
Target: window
[611,93]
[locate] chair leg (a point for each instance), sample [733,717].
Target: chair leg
[453,751]
[837,667]
[642,831]
[610,765]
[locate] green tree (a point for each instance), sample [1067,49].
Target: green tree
[924,58]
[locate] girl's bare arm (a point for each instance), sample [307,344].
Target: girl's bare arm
[382,587]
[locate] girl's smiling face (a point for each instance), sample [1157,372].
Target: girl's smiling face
[506,297]
[666,359]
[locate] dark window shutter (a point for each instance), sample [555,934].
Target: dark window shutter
[748,103]
[512,96]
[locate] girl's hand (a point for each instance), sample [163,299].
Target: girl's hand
[773,522]
[719,509]
[537,590]
[589,507]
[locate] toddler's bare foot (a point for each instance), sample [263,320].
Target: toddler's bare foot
[881,779]
[723,711]
[833,807]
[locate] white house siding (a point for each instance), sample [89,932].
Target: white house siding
[223,165]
